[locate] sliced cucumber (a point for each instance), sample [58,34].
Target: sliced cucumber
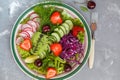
[52,38]
[69,22]
[61,33]
[56,35]
[63,29]
[67,27]
[58,30]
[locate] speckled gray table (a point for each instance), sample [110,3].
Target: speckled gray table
[107,52]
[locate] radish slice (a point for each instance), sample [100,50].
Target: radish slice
[33,24]
[37,24]
[36,19]
[25,26]
[19,26]
[19,40]
[33,15]
[27,29]
[24,34]
[30,33]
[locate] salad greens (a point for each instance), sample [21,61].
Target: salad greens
[49,61]
[44,13]
[80,36]
[49,42]
[23,53]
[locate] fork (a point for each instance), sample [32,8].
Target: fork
[94,20]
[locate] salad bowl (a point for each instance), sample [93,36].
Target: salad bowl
[60,33]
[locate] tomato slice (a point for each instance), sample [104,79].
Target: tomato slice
[51,72]
[56,18]
[56,48]
[26,44]
[76,30]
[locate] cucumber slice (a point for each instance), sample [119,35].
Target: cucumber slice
[52,38]
[59,31]
[69,22]
[63,29]
[56,29]
[66,27]
[56,35]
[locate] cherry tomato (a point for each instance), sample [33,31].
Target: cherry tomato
[76,30]
[56,48]
[26,44]
[56,18]
[51,72]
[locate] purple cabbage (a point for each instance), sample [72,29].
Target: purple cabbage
[70,46]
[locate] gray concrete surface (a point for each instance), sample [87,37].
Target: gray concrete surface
[107,50]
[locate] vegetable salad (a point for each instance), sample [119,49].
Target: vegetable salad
[50,41]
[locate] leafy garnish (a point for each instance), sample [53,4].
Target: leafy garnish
[44,13]
[77,22]
[24,21]
[33,67]
[84,9]
[23,53]
[81,36]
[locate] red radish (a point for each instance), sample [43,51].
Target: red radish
[19,40]
[33,24]
[24,34]
[27,29]
[19,26]
[25,26]
[37,23]
[33,15]
[36,19]
[30,33]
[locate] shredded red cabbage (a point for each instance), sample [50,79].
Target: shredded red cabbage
[71,46]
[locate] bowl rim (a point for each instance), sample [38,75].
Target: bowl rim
[12,38]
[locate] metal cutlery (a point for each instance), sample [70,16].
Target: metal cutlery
[94,20]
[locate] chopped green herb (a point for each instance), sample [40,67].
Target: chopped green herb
[24,21]
[84,9]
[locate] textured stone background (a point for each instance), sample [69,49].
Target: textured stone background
[107,50]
